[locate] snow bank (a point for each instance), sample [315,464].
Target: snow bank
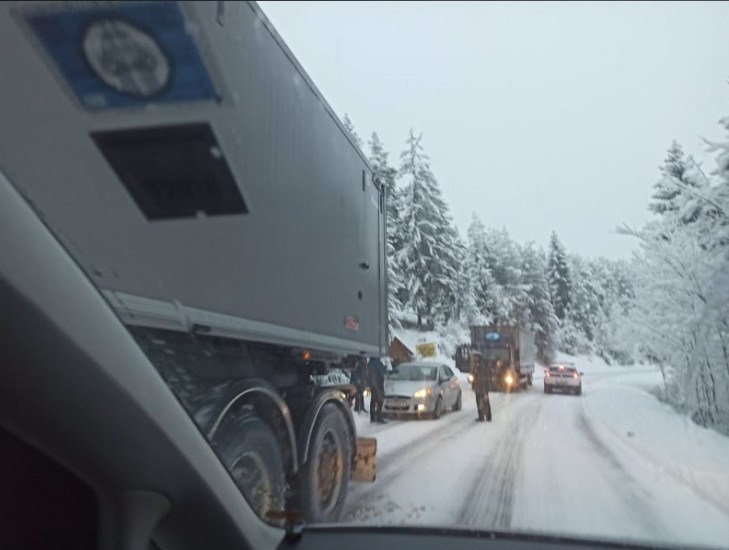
[446,342]
[626,450]
[447,337]
[659,442]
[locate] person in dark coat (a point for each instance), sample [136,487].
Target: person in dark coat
[377,387]
[358,379]
[481,385]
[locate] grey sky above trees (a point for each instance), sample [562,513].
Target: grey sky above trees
[537,116]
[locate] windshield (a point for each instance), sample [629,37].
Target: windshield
[493,354]
[296,208]
[562,370]
[414,372]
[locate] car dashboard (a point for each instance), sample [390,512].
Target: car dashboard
[426,538]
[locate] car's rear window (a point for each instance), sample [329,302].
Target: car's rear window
[565,370]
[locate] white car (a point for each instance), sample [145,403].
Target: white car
[422,389]
[563,377]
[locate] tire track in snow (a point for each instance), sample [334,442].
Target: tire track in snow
[490,502]
[630,490]
[389,464]
[391,470]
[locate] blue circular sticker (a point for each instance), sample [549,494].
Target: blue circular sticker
[126,58]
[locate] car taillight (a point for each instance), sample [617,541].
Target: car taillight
[546,373]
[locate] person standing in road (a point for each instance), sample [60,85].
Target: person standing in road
[481,385]
[358,379]
[377,387]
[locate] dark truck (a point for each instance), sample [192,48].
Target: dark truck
[194,172]
[513,347]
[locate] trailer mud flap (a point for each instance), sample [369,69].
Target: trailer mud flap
[365,462]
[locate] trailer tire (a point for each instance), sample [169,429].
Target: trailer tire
[325,475]
[250,451]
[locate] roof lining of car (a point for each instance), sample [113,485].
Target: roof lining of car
[77,386]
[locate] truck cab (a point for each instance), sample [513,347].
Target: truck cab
[509,351]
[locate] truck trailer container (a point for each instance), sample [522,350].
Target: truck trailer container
[188,164]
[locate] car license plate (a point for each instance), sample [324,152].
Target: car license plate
[397,404]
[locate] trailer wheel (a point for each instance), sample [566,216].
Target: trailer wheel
[249,449]
[326,472]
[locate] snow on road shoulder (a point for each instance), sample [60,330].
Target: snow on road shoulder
[681,465]
[617,463]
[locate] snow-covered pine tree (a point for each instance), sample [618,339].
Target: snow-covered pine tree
[614,298]
[428,252]
[464,302]
[560,281]
[674,170]
[580,317]
[680,182]
[681,317]
[470,311]
[451,304]
[349,126]
[540,313]
[504,261]
[484,294]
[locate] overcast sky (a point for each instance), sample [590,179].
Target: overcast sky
[536,116]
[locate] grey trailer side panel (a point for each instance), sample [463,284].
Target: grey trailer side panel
[308,257]
[527,350]
[385,282]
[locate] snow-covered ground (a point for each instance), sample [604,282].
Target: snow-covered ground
[447,341]
[612,463]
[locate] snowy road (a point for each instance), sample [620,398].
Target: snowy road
[613,463]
